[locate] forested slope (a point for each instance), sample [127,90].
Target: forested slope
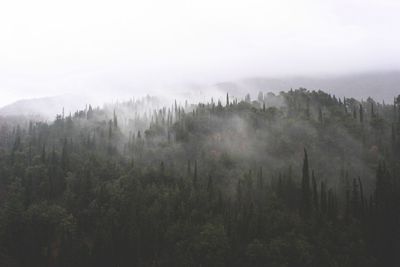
[296,179]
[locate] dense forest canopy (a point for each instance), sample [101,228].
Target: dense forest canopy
[301,178]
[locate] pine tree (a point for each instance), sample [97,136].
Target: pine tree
[195,174]
[320,117]
[110,131]
[361,114]
[239,193]
[210,187]
[64,155]
[332,205]
[305,186]
[189,168]
[43,156]
[260,97]
[115,120]
[162,168]
[280,185]
[362,201]
[324,201]
[355,200]
[315,192]
[348,204]
[17,142]
[393,139]
[260,183]
[372,110]
[89,114]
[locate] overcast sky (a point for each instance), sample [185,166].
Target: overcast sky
[99,47]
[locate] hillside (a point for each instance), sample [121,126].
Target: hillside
[45,107]
[381,86]
[300,178]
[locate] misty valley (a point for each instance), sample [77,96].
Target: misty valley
[299,178]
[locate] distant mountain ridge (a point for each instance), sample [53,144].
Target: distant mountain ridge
[45,107]
[381,86]
[378,85]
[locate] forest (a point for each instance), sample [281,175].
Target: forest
[299,178]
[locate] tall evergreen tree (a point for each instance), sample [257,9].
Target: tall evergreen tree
[315,192]
[355,198]
[195,182]
[361,110]
[115,120]
[305,187]
[324,200]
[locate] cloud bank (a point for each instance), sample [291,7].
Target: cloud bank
[120,48]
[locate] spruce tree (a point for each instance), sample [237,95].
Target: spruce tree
[324,200]
[361,114]
[195,174]
[355,200]
[115,120]
[305,187]
[315,192]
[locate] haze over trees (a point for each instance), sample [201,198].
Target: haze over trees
[299,178]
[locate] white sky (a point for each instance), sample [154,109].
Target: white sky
[50,47]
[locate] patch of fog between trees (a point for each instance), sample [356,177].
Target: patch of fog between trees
[236,141]
[242,142]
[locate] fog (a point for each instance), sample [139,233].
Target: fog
[114,50]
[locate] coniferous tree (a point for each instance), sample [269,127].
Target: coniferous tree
[247,98]
[362,200]
[361,114]
[260,97]
[320,116]
[110,131]
[189,169]
[393,139]
[64,155]
[354,113]
[162,168]
[315,192]
[305,187]
[324,200]
[260,182]
[348,201]
[210,187]
[195,182]
[43,155]
[355,200]
[115,120]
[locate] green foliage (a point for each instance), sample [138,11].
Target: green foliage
[205,185]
